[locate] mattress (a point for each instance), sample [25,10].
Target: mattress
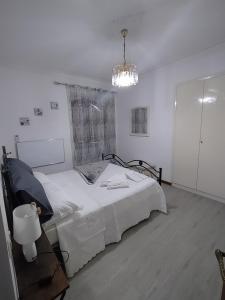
[105,214]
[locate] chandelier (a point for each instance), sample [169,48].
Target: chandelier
[124,75]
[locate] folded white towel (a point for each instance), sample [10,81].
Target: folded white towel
[135,176]
[115,182]
[118,185]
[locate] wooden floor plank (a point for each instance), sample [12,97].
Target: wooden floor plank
[165,257]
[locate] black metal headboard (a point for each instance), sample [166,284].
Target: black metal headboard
[138,165]
[8,195]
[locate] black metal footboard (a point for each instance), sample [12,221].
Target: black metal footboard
[138,165]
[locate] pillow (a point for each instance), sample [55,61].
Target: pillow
[92,171]
[54,192]
[27,189]
[13,163]
[60,201]
[41,177]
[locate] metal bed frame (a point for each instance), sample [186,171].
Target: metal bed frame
[138,165]
[11,201]
[9,197]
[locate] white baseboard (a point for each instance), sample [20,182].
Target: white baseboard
[213,197]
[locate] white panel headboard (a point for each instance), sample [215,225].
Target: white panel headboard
[41,152]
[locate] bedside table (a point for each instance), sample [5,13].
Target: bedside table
[29,273]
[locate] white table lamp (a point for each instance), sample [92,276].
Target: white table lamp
[26,229]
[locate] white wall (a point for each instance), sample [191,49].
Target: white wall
[157,89]
[20,92]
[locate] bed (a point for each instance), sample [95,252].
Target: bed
[103,214]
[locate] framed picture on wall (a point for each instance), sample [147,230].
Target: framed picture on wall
[24,121]
[54,105]
[38,111]
[139,121]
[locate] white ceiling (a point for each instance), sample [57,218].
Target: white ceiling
[82,37]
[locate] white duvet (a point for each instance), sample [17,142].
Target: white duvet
[105,214]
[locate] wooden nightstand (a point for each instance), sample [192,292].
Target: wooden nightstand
[29,274]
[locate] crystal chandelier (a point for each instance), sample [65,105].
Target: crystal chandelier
[124,75]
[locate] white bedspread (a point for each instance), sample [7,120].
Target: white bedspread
[106,214]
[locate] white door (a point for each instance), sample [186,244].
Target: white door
[187,133]
[211,173]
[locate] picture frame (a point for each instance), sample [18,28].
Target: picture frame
[54,105]
[38,111]
[24,121]
[139,121]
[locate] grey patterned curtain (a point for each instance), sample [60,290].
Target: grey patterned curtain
[92,122]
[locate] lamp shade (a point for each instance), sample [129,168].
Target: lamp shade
[124,75]
[26,224]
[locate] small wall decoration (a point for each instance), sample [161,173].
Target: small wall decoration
[54,105]
[24,121]
[38,111]
[139,121]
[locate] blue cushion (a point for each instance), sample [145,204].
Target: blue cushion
[16,163]
[27,188]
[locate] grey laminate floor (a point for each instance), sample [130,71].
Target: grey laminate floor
[167,257]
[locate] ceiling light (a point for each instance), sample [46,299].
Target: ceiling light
[207,100]
[124,75]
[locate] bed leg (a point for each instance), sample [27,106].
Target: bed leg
[160,176]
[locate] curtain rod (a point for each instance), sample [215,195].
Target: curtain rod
[84,87]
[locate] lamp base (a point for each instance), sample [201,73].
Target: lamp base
[30,252]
